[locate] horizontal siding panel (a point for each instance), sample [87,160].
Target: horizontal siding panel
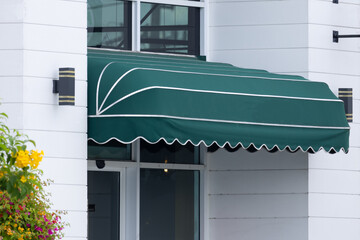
[354,135]
[15,114]
[334,205]
[14,36]
[256,229]
[60,144]
[334,181]
[338,62]
[52,13]
[45,86]
[65,171]
[327,13]
[257,182]
[47,64]
[244,160]
[258,37]
[55,39]
[55,118]
[78,224]
[39,85]
[338,161]
[13,84]
[257,13]
[68,197]
[11,11]
[273,60]
[258,206]
[334,229]
[11,63]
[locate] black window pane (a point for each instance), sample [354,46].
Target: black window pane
[164,153]
[103,205]
[112,150]
[109,24]
[169,28]
[169,204]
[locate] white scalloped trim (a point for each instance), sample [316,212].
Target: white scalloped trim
[221,146]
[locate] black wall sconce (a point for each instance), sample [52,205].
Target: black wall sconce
[65,86]
[346,95]
[336,36]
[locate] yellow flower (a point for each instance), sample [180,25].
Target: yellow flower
[21,229]
[15,225]
[23,179]
[1,174]
[36,158]
[22,159]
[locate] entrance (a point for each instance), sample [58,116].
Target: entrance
[103,205]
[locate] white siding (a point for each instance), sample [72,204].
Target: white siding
[334,180]
[294,36]
[40,37]
[253,195]
[253,34]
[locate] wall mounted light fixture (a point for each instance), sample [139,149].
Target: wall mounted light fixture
[65,86]
[336,36]
[346,95]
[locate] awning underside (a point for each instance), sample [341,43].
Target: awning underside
[149,96]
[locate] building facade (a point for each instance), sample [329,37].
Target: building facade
[235,194]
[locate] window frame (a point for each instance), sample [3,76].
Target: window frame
[136,25]
[127,28]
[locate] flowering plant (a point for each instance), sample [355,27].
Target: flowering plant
[24,205]
[19,175]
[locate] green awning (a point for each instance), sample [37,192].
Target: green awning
[153,97]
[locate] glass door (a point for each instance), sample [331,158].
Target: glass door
[103,205]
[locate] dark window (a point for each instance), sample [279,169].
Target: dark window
[103,205]
[112,150]
[169,204]
[164,153]
[109,24]
[170,29]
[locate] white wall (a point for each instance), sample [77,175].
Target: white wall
[295,36]
[257,195]
[38,37]
[265,34]
[334,180]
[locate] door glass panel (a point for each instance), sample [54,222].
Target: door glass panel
[169,204]
[103,205]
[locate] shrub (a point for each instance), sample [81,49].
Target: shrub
[24,205]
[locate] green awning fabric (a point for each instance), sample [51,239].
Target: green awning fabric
[153,97]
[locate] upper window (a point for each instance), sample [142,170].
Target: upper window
[163,28]
[109,24]
[169,28]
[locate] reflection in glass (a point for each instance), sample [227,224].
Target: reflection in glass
[109,24]
[164,153]
[104,205]
[170,28]
[112,150]
[169,204]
